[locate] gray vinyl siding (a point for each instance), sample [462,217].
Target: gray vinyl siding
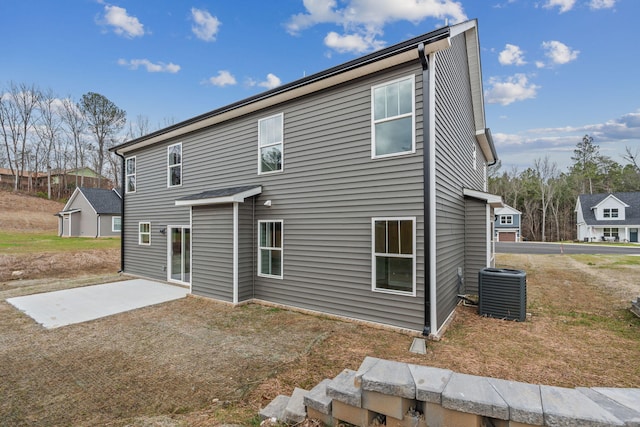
[326,196]
[455,144]
[246,250]
[475,243]
[85,222]
[106,226]
[212,252]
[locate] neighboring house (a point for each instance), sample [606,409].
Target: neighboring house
[359,191]
[507,224]
[91,212]
[608,217]
[84,177]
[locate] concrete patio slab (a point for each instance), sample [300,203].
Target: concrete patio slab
[69,306]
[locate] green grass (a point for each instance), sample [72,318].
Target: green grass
[25,242]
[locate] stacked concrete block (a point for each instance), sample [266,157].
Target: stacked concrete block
[395,394]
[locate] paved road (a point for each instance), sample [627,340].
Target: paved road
[567,248]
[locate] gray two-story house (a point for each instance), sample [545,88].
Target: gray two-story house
[358,192]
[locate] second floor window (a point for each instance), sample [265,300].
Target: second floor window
[174,165]
[393,118]
[506,219]
[130,166]
[611,212]
[270,144]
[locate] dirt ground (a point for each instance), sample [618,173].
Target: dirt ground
[195,362]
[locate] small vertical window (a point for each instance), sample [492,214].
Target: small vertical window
[270,249]
[144,233]
[270,144]
[116,224]
[174,172]
[130,175]
[394,260]
[393,122]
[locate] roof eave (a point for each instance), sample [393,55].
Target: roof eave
[385,58]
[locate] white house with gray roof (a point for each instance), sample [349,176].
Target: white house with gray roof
[358,191]
[91,212]
[608,217]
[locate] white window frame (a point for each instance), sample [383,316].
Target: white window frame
[134,175]
[374,288]
[273,144]
[609,232]
[281,249]
[611,213]
[170,166]
[374,122]
[141,233]
[506,219]
[113,224]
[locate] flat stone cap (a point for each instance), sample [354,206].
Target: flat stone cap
[342,389]
[569,407]
[525,404]
[474,395]
[390,378]
[317,398]
[430,382]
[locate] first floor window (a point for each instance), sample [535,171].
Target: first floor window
[394,255]
[144,233]
[270,249]
[130,175]
[116,224]
[611,233]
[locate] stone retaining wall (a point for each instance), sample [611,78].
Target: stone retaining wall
[397,394]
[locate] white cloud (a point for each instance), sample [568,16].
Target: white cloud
[224,78]
[602,4]
[511,55]
[564,5]
[122,23]
[159,67]
[514,88]
[206,26]
[363,20]
[271,82]
[354,43]
[559,53]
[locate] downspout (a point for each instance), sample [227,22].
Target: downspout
[426,155]
[97,226]
[123,191]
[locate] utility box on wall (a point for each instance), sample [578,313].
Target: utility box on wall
[502,293]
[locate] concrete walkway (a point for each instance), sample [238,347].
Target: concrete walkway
[69,306]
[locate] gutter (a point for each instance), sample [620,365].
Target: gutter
[122,196]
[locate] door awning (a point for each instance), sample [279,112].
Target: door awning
[492,199]
[69,212]
[220,196]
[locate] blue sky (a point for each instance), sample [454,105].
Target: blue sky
[553,70]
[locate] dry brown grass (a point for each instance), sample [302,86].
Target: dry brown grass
[22,212]
[195,362]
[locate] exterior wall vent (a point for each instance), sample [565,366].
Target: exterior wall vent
[502,293]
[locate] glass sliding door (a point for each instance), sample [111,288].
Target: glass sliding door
[180,254]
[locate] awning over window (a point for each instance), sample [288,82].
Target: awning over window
[492,199]
[222,195]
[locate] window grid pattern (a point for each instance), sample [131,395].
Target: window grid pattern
[130,175]
[393,119]
[270,249]
[394,249]
[271,144]
[144,233]
[174,169]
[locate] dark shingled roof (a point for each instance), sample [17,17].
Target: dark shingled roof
[632,213]
[103,201]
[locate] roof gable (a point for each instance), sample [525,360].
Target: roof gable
[588,203]
[507,210]
[101,200]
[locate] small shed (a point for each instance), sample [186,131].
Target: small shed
[91,212]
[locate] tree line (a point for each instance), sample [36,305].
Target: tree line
[41,131]
[547,196]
